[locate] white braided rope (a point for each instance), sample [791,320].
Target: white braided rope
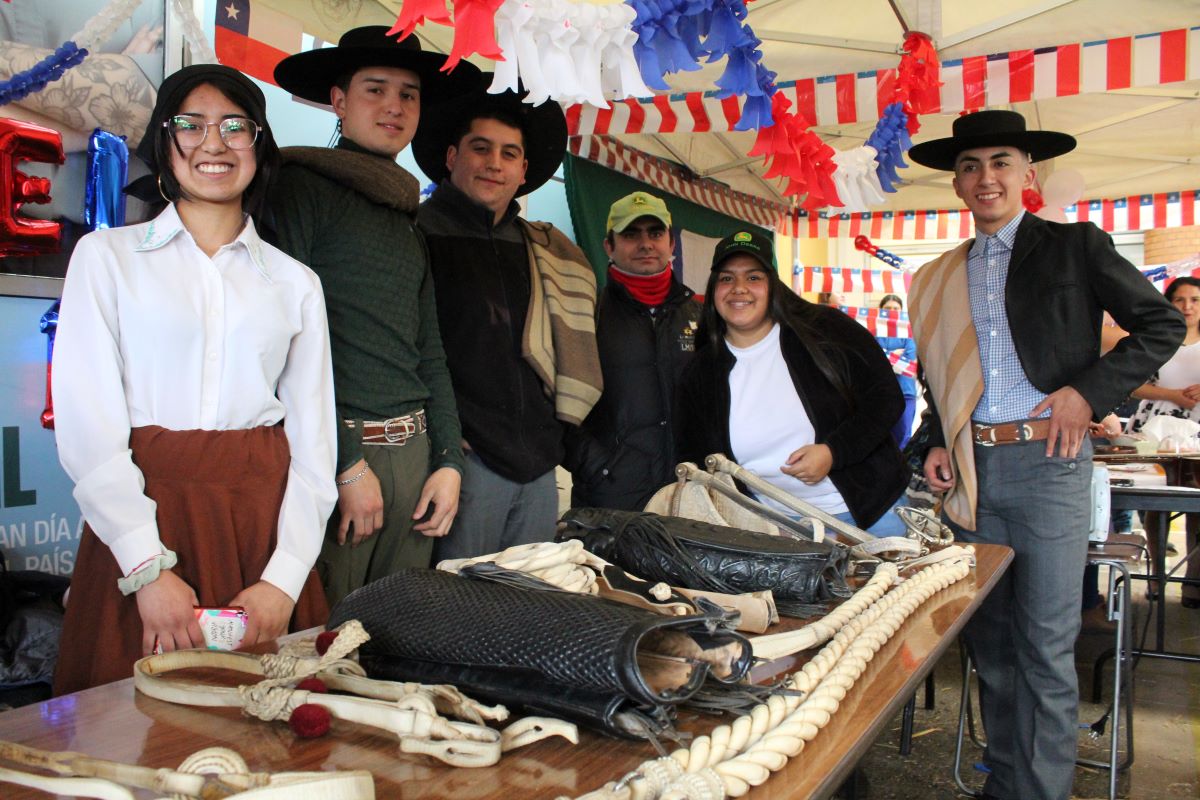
[414,717]
[564,564]
[745,752]
[273,698]
[208,773]
[777,645]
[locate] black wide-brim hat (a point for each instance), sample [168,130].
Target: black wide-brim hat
[544,127]
[311,74]
[990,129]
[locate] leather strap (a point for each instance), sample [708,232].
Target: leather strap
[1028,430]
[397,431]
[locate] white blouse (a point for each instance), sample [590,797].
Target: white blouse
[154,332]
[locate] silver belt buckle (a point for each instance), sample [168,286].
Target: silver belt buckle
[399,430]
[1026,432]
[990,441]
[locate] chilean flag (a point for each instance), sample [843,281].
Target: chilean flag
[254,38]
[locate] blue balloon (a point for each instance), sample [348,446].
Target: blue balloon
[107,171]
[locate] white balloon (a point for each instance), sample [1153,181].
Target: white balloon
[1051,213]
[1063,188]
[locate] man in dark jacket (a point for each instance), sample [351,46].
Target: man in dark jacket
[645,328]
[1008,332]
[516,303]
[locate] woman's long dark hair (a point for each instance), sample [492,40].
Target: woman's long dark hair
[787,308]
[266,152]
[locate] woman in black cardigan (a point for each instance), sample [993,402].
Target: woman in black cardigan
[799,394]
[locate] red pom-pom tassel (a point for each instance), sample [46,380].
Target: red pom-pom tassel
[324,640]
[313,685]
[309,721]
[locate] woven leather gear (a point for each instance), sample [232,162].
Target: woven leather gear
[568,639]
[609,712]
[697,555]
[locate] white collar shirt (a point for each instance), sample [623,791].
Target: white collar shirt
[154,332]
[1008,395]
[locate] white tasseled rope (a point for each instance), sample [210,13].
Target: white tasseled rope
[745,752]
[564,564]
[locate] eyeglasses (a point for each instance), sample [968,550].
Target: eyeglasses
[190,130]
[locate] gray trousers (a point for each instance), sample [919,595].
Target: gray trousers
[402,472]
[495,513]
[1022,639]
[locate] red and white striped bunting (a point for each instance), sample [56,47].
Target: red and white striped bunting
[670,178]
[968,84]
[1139,212]
[908,225]
[845,279]
[1114,215]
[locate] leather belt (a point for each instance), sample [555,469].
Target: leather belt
[396,431]
[1027,430]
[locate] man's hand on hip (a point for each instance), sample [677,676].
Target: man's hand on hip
[1070,416]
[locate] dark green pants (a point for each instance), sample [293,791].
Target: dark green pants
[402,472]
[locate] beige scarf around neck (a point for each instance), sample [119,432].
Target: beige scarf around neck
[940,314]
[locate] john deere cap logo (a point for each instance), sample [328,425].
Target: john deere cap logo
[742,237]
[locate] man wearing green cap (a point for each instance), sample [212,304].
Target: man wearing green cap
[645,328]
[348,213]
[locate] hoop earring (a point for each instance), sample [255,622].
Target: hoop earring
[160,189]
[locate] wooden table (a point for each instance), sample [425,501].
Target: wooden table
[114,722]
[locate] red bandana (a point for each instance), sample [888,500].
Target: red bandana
[649,290]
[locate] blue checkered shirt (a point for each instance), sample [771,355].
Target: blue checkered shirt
[1007,393]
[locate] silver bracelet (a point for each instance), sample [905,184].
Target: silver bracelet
[356,478]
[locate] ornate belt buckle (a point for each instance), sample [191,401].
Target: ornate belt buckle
[398,430]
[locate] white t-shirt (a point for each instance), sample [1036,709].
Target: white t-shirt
[1183,369]
[154,332]
[768,422]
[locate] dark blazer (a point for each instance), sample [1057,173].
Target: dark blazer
[625,449]
[1061,279]
[867,468]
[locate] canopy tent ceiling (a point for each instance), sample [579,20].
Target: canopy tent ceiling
[1133,141]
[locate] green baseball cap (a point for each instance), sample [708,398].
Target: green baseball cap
[635,206]
[752,244]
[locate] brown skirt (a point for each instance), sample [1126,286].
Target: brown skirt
[218,496]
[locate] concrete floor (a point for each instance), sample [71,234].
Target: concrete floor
[1166,723]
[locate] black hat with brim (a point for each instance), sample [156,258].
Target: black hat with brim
[990,129]
[311,74]
[544,127]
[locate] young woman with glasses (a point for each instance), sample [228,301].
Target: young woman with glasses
[193,399]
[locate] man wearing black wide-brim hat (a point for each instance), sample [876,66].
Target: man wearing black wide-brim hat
[516,301]
[347,212]
[1007,327]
